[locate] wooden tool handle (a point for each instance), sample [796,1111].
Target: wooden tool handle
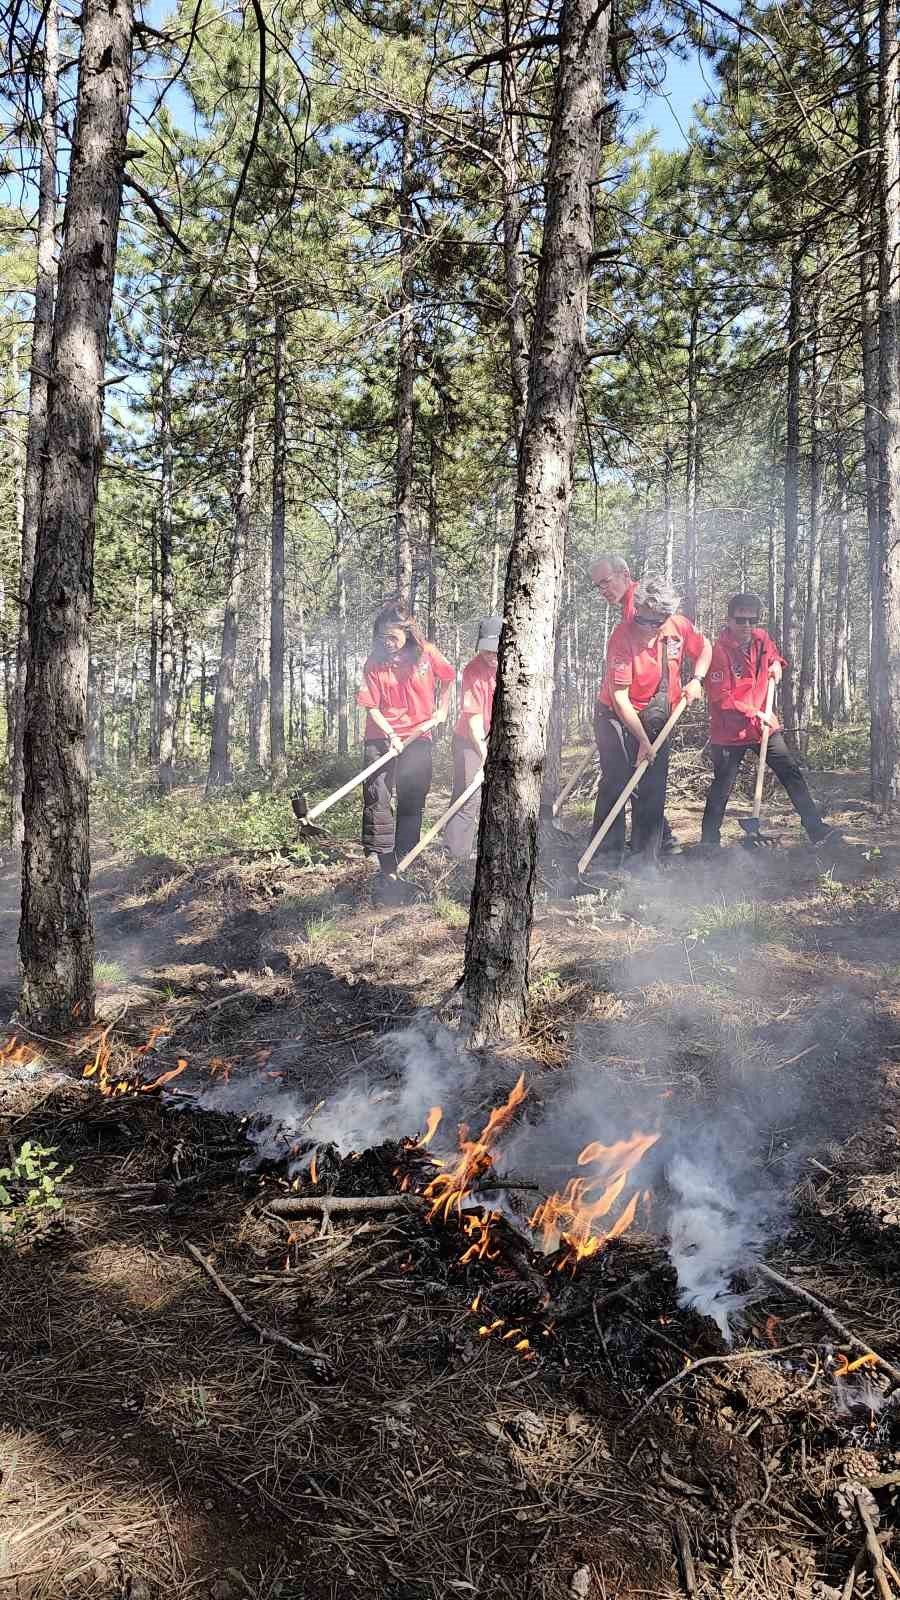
[382,761]
[630,786]
[579,772]
[763,748]
[433,832]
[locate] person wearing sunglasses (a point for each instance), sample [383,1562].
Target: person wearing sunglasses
[745,658]
[641,687]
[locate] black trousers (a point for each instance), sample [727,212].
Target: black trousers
[617,749]
[727,760]
[410,775]
[459,834]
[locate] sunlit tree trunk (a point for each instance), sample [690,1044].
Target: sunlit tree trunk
[406,375]
[867,213]
[41,346]
[692,448]
[809,654]
[166,568]
[56,935]
[789,631]
[497,944]
[888,642]
[513,222]
[340,580]
[220,771]
[279,476]
[837,697]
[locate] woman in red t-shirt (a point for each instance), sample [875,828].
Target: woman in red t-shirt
[401,692]
[470,735]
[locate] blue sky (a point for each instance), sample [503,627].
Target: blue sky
[669,109]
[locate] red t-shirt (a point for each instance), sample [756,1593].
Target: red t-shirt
[737,684]
[479,680]
[403,691]
[633,663]
[628,601]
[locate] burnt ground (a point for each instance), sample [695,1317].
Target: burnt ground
[151,1446]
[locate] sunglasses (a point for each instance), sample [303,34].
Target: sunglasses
[751,620]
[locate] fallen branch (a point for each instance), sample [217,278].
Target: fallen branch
[705,1361]
[320,1364]
[875,1552]
[688,1570]
[352,1205]
[829,1316]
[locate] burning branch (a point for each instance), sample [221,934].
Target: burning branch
[829,1316]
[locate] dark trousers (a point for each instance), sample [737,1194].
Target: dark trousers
[727,760]
[410,775]
[459,834]
[617,749]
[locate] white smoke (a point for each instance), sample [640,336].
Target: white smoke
[713,1236]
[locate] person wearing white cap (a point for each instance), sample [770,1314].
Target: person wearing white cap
[470,736]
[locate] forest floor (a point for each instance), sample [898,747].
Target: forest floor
[151,1446]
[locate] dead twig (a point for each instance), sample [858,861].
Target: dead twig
[352,1205]
[320,1364]
[688,1571]
[829,1316]
[853,1574]
[875,1552]
[705,1361]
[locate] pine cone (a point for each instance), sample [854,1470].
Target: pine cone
[846,1498]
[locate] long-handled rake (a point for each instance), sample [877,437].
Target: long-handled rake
[575,779]
[754,838]
[433,831]
[306,817]
[629,789]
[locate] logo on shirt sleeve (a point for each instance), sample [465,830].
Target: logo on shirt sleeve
[716,677]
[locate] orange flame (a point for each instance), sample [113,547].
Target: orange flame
[568,1218]
[449,1189]
[16,1054]
[432,1124]
[158,1031]
[165,1077]
[847,1367]
[314,1168]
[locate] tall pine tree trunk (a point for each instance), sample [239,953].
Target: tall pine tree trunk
[406,375]
[513,220]
[497,943]
[133,716]
[340,580]
[668,511]
[153,667]
[789,631]
[837,706]
[279,474]
[166,568]
[692,472]
[866,169]
[56,935]
[809,654]
[302,665]
[41,345]
[220,771]
[888,642]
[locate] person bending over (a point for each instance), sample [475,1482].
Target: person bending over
[641,687]
[470,736]
[401,691]
[744,660]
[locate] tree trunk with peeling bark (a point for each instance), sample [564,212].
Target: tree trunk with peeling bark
[806,694]
[41,347]
[279,477]
[406,377]
[789,633]
[56,935]
[497,943]
[888,656]
[692,471]
[166,568]
[837,698]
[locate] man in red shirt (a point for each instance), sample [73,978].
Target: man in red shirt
[401,690]
[744,659]
[470,736]
[641,686]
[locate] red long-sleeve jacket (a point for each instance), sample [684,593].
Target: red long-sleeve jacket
[736,686]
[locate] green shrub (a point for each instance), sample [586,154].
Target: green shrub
[29,1188]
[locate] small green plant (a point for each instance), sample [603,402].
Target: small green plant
[321,931]
[841,748]
[761,924]
[450,911]
[29,1187]
[829,884]
[109,972]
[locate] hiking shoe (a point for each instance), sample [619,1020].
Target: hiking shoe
[820,835]
[389,890]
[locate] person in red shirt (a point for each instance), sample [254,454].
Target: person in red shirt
[641,686]
[470,736]
[401,691]
[744,659]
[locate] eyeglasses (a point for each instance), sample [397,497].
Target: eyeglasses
[751,620]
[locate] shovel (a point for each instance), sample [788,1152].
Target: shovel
[576,777]
[754,837]
[432,833]
[629,788]
[305,817]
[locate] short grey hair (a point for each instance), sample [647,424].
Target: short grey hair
[657,594]
[617,564]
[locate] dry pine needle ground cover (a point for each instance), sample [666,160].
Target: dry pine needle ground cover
[153,1446]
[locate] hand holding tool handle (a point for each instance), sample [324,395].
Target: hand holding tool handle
[763,747]
[579,772]
[630,786]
